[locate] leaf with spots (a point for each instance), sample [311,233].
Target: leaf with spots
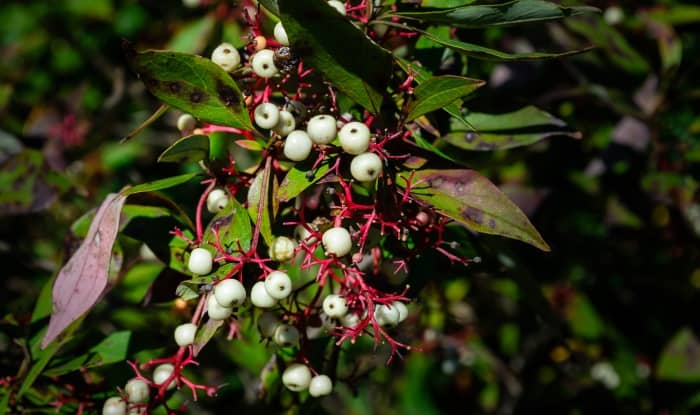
[192,84]
[232,225]
[81,282]
[487,132]
[438,92]
[471,199]
[349,59]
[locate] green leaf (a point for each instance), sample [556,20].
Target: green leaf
[488,132]
[438,92]
[205,333]
[271,6]
[471,199]
[112,349]
[482,52]
[159,184]
[233,225]
[193,37]
[259,203]
[43,305]
[349,59]
[299,178]
[191,148]
[192,84]
[513,12]
[680,358]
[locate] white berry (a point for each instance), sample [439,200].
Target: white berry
[386,315]
[266,115]
[354,137]
[297,146]
[321,129]
[350,320]
[366,167]
[335,306]
[162,373]
[278,285]
[282,249]
[186,122]
[402,310]
[200,261]
[267,324]
[185,333]
[296,377]
[320,385]
[286,123]
[226,56]
[286,335]
[216,311]
[304,235]
[260,297]
[217,200]
[263,63]
[337,241]
[114,406]
[338,5]
[137,391]
[281,34]
[229,293]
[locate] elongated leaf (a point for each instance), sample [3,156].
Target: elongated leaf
[159,184]
[471,199]
[488,132]
[482,52]
[193,37]
[205,333]
[191,148]
[192,84]
[112,349]
[332,45]
[259,203]
[438,92]
[680,358]
[513,12]
[271,6]
[83,279]
[233,225]
[299,179]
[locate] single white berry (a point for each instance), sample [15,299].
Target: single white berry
[281,34]
[335,306]
[278,285]
[286,335]
[217,200]
[282,249]
[354,137]
[296,377]
[302,234]
[137,391]
[200,262]
[338,5]
[337,241]
[402,310]
[260,297]
[286,123]
[162,373]
[322,129]
[229,293]
[366,167]
[320,385]
[350,320]
[185,333]
[266,115]
[386,315]
[263,63]
[186,122]
[114,406]
[297,146]
[267,324]
[216,311]
[226,56]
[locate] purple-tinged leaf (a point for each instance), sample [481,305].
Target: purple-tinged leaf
[83,280]
[471,199]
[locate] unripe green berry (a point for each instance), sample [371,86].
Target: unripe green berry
[267,324]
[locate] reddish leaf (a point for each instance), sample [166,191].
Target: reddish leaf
[83,279]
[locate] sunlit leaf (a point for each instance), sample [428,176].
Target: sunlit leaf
[299,178]
[438,92]
[232,225]
[159,184]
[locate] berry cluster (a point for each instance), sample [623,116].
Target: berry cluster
[347,231]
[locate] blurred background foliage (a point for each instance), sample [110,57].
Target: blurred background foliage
[605,322]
